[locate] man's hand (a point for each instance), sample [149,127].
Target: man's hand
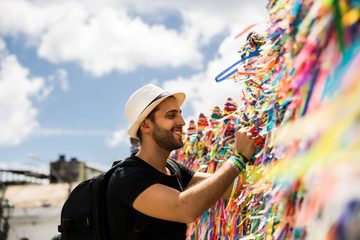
[244,143]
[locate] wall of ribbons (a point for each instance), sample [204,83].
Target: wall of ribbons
[300,86]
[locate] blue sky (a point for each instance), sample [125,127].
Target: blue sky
[68,67]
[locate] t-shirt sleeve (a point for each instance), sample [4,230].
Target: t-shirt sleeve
[186,173]
[131,182]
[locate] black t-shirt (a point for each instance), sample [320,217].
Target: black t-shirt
[127,182]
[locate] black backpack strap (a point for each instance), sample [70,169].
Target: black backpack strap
[174,166]
[116,164]
[141,220]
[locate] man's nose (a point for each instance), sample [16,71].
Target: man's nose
[182,122]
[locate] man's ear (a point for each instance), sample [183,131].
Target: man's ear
[145,126]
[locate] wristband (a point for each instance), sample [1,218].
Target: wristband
[237,164]
[234,166]
[242,157]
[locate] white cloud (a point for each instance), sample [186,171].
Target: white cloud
[204,19]
[100,41]
[63,79]
[111,40]
[114,36]
[60,77]
[118,138]
[17,113]
[111,35]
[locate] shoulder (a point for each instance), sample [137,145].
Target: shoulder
[132,169]
[129,180]
[181,166]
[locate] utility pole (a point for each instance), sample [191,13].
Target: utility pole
[5,213]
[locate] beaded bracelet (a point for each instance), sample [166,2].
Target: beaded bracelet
[237,164]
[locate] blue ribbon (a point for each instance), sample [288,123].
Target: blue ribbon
[221,77]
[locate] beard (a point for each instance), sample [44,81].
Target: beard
[165,138]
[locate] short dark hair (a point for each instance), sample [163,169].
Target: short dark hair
[151,117]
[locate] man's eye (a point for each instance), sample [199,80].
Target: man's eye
[171,116]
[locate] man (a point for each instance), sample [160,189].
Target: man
[149,186]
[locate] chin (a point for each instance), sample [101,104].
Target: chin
[180,145]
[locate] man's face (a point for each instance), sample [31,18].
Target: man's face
[167,127]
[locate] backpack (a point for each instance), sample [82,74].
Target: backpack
[84,213]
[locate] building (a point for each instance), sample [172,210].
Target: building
[37,199]
[73,170]
[37,209]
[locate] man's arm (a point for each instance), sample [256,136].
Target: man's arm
[200,176]
[167,203]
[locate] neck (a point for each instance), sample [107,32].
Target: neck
[154,155]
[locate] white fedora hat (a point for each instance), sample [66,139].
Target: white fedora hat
[143,101]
